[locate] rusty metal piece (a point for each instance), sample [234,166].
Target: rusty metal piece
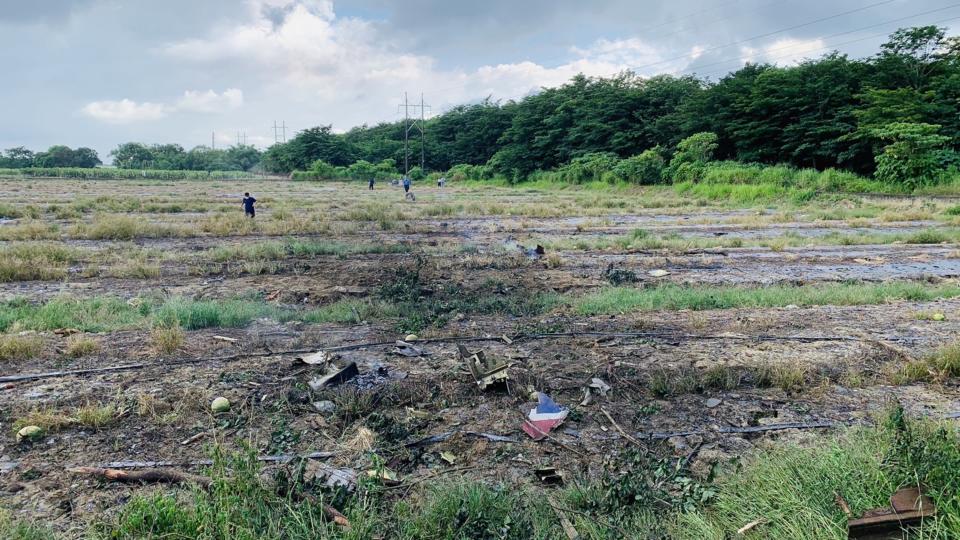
[908,508]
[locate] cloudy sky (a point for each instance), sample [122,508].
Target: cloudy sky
[99,72]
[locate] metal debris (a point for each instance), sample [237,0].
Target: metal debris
[544,417]
[549,475]
[486,372]
[334,378]
[410,351]
[908,507]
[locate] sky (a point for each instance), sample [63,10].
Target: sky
[194,72]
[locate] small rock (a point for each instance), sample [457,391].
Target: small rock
[658,273]
[713,403]
[324,407]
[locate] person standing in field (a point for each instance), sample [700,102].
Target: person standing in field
[372,180]
[248,208]
[406,184]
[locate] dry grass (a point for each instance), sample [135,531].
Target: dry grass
[167,339]
[80,345]
[95,416]
[20,347]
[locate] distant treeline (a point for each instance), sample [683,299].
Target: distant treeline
[831,112]
[165,157]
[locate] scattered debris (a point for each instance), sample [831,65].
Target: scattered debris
[29,433]
[619,276]
[491,437]
[411,337]
[620,429]
[449,457]
[549,475]
[335,378]
[601,387]
[225,338]
[385,476]
[568,528]
[318,358]
[484,371]
[406,349]
[544,417]
[331,477]
[194,438]
[272,296]
[658,273]
[713,403]
[749,526]
[220,405]
[908,507]
[324,407]
[148,475]
[432,439]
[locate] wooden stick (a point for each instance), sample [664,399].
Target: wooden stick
[568,527]
[622,432]
[281,458]
[147,475]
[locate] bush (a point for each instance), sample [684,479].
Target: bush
[644,169]
[592,167]
[692,155]
[914,157]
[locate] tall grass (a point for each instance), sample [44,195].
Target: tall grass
[792,489]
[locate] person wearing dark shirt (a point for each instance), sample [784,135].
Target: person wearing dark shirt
[248,208]
[371,183]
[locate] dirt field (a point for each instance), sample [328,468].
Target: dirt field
[334,266]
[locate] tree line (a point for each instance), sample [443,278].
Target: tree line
[133,155]
[859,115]
[55,156]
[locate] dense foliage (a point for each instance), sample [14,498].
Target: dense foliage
[55,156]
[863,116]
[173,157]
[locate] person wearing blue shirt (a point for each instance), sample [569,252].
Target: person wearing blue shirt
[406,184]
[248,208]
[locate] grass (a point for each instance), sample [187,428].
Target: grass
[278,250]
[19,348]
[793,488]
[167,338]
[940,365]
[614,300]
[80,345]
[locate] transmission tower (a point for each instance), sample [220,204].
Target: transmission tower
[408,127]
[278,129]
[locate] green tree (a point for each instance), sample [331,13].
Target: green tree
[914,155]
[132,155]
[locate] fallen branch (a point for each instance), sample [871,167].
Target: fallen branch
[622,432]
[148,475]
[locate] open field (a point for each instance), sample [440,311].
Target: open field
[711,319]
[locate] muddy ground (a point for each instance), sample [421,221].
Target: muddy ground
[844,354]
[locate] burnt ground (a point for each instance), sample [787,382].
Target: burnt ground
[845,354]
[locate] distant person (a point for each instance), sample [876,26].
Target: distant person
[406,184]
[372,180]
[442,181]
[248,208]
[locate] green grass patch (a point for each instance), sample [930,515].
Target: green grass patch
[675,297]
[793,488]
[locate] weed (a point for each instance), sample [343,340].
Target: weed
[167,338]
[721,378]
[20,347]
[95,416]
[79,345]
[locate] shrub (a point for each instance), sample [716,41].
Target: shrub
[167,338]
[914,156]
[15,347]
[645,168]
[79,345]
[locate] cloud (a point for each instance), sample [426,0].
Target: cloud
[302,48]
[784,51]
[126,111]
[210,101]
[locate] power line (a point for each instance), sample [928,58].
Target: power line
[768,34]
[787,47]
